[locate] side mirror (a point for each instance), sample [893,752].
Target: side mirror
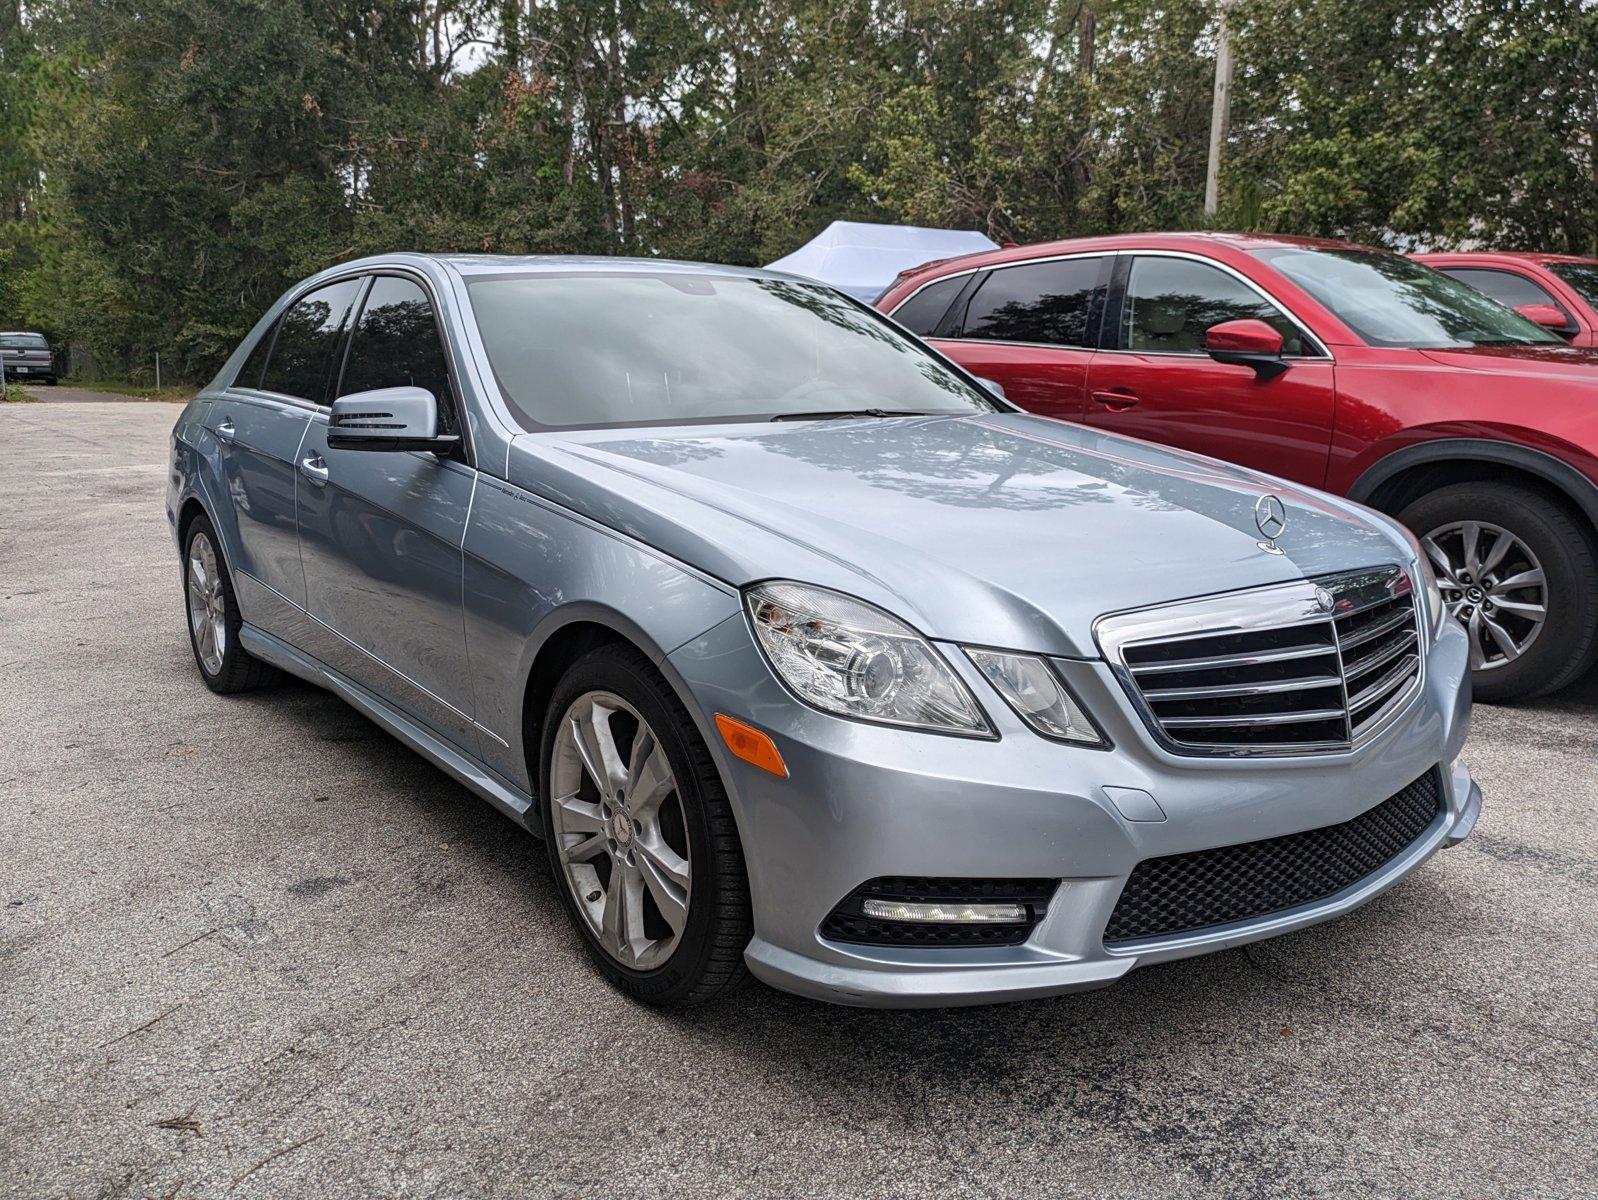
[1549,317]
[397,418]
[1247,343]
[993,386]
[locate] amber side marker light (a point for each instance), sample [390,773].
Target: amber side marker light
[751,745]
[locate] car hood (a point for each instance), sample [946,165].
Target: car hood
[1005,530]
[1532,362]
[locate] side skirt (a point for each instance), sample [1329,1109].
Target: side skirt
[509,799]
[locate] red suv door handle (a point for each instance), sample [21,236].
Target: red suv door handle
[1118,400]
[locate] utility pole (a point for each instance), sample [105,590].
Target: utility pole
[1221,112]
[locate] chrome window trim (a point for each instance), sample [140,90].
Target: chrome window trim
[1323,354]
[1274,606]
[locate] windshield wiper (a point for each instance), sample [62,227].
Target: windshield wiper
[833,414]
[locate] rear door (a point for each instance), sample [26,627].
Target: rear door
[1030,327]
[381,531]
[1153,379]
[259,423]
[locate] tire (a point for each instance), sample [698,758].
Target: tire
[233,669]
[703,959]
[1559,648]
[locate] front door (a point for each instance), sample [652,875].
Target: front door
[381,531]
[1154,380]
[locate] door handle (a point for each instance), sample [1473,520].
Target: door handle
[314,468]
[226,430]
[1116,400]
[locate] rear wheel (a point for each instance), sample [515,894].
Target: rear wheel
[214,620]
[1520,574]
[640,835]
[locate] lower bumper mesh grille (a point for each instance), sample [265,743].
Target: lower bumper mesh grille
[1184,892]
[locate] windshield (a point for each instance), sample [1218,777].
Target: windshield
[1394,301]
[628,349]
[23,341]
[1581,276]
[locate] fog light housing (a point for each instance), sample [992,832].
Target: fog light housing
[956,913]
[912,911]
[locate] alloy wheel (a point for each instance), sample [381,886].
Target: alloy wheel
[619,832]
[1494,586]
[207,604]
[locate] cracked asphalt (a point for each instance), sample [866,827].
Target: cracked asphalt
[254,947]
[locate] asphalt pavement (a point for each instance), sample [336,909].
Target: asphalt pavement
[255,947]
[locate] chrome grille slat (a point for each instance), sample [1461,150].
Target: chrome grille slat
[1252,689]
[1270,671]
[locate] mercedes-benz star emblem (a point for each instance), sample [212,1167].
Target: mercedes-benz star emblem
[1270,517]
[1324,600]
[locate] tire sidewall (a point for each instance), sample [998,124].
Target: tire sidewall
[611,670]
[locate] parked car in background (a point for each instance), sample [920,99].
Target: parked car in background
[799,648]
[27,356]
[1559,292]
[1351,369]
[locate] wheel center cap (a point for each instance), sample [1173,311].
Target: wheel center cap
[1475,595]
[622,827]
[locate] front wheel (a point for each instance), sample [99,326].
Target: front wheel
[1520,574]
[640,834]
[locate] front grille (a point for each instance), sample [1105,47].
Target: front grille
[847,923]
[1309,667]
[1183,892]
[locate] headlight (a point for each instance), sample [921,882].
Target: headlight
[847,657]
[1030,686]
[1426,574]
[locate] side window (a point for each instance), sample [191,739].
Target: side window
[1506,287]
[396,344]
[921,313]
[249,375]
[1048,302]
[307,336]
[1170,302]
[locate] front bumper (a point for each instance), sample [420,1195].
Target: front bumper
[864,801]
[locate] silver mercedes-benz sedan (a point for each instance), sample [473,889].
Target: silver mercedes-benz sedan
[806,654]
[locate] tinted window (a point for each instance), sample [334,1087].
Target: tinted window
[1503,286]
[396,344]
[628,348]
[24,341]
[249,375]
[1170,302]
[1047,302]
[307,336]
[921,313]
[1394,301]
[1581,276]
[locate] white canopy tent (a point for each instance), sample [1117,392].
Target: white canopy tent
[863,259]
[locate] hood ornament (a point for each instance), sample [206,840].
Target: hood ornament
[1270,518]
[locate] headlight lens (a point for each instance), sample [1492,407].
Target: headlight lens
[1426,574]
[847,657]
[1030,686]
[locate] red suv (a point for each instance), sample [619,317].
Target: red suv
[1558,291]
[1347,368]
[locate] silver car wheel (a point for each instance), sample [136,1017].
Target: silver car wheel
[207,605]
[617,821]
[1494,586]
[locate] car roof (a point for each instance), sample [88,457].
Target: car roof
[20,333]
[1525,256]
[499,264]
[1195,241]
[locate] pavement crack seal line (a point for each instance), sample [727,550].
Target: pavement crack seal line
[272,1157]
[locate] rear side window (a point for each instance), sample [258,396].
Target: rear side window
[1170,302]
[921,313]
[301,362]
[1506,287]
[249,375]
[396,344]
[1047,302]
